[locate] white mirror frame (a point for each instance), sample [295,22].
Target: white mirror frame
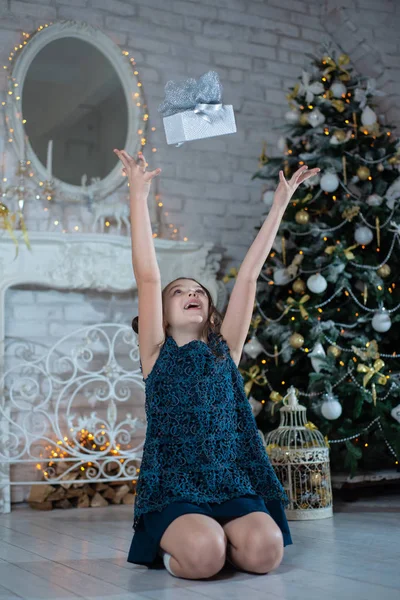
[123,68]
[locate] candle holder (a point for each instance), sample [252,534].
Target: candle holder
[20,192]
[48,190]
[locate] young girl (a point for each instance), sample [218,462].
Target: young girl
[206,491]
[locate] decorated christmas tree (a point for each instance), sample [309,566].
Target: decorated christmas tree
[326,317]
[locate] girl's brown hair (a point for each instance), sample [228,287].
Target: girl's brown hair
[214,318]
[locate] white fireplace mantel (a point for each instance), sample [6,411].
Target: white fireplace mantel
[100,262]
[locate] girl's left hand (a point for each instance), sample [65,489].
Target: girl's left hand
[286,189]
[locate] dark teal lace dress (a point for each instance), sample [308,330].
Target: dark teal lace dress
[202,451]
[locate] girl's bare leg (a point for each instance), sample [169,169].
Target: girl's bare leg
[197,545]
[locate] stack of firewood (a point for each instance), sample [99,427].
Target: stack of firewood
[76,491]
[80,494]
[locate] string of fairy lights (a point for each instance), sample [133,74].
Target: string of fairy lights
[140,101]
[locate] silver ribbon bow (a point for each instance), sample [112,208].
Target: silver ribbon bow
[203,96]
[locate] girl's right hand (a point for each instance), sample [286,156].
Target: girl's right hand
[139,178]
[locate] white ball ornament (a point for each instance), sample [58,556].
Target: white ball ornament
[281,144]
[268,198]
[331,409]
[338,89]
[381,321]
[363,235]
[315,117]
[374,200]
[255,406]
[317,283]
[281,277]
[292,117]
[253,347]
[368,117]
[329,182]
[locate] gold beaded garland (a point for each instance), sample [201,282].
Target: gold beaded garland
[302,217]
[363,173]
[384,271]
[296,340]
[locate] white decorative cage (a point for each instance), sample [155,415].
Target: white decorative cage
[300,457]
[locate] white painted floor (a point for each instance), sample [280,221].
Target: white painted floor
[82,554]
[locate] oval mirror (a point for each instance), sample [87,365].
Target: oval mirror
[79,90]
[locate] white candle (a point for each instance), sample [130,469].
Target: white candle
[26,142]
[3,168]
[49,159]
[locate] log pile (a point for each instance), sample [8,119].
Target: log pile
[75,491]
[81,494]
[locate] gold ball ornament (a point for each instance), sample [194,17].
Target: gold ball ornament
[340,135]
[334,351]
[363,173]
[304,119]
[302,217]
[384,271]
[299,286]
[296,340]
[393,160]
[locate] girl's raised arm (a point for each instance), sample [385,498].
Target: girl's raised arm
[144,261]
[236,323]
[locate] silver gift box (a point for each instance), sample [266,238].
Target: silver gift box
[188,126]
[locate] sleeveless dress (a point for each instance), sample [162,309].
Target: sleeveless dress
[202,451]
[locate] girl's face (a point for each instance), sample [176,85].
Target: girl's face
[185,303]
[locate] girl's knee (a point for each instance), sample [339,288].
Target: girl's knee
[262,553]
[203,555]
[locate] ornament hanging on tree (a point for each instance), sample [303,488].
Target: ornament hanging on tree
[381,321]
[268,197]
[253,347]
[396,413]
[281,277]
[304,119]
[329,182]
[255,406]
[315,117]
[384,271]
[340,135]
[299,286]
[309,89]
[316,355]
[292,116]
[363,235]
[368,117]
[317,283]
[338,89]
[374,200]
[331,408]
[334,351]
[363,173]
[296,340]
[380,167]
[302,217]
[281,144]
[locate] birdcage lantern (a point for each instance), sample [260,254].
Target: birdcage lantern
[300,457]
